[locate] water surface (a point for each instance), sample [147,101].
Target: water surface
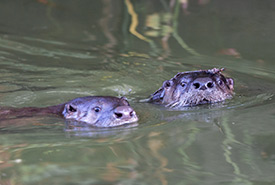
[54,51]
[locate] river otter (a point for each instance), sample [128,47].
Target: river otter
[194,88]
[99,111]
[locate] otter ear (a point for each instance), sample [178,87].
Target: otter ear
[124,100]
[230,83]
[70,108]
[166,84]
[157,96]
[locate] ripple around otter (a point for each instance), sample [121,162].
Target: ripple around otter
[250,91]
[74,129]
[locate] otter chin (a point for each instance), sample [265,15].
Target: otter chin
[193,88]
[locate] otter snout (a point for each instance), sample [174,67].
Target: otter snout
[125,113]
[203,83]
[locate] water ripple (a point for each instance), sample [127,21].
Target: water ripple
[31,50]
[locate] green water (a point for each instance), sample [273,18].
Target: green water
[53,51]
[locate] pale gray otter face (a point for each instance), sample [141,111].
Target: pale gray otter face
[194,88]
[100,111]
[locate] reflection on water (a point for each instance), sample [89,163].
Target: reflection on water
[52,51]
[76,129]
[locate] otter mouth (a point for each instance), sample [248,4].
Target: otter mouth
[133,119]
[198,102]
[204,101]
[194,100]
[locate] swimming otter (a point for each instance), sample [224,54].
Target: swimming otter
[194,88]
[100,111]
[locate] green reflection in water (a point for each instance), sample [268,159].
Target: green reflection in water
[228,141]
[175,32]
[189,165]
[39,51]
[247,155]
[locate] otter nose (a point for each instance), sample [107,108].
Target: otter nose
[203,83]
[124,112]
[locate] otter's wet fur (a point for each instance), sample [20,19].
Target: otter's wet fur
[99,111]
[194,88]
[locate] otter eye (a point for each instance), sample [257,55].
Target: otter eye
[183,84]
[220,82]
[97,109]
[72,109]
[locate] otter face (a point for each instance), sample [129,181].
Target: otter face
[100,111]
[194,88]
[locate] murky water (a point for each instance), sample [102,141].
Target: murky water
[54,51]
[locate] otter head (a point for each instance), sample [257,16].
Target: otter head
[100,111]
[194,88]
